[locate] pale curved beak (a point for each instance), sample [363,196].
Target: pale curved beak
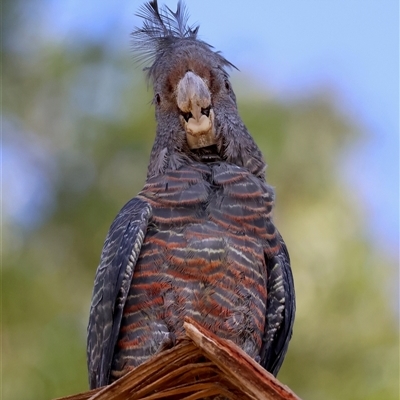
[194,101]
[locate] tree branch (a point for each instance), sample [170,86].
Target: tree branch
[204,365]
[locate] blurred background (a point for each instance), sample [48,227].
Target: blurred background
[318,89]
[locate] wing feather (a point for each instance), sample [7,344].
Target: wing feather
[113,278]
[280,309]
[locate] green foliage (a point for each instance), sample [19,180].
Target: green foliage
[91,116]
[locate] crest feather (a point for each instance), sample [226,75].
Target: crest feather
[161,27]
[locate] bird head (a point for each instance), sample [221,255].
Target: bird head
[196,109]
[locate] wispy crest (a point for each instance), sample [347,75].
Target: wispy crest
[161,27]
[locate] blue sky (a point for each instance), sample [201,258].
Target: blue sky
[293,48]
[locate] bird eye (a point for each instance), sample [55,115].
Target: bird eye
[187,115]
[206,111]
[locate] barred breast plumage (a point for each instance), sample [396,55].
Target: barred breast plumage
[204,257]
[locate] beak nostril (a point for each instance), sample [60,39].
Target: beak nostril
[187,115]
[206,111]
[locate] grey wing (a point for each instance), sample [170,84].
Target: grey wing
[111,286]
[281,307]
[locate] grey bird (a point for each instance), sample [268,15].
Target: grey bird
[198,240]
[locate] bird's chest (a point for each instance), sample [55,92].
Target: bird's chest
[203,254]
[204,216]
